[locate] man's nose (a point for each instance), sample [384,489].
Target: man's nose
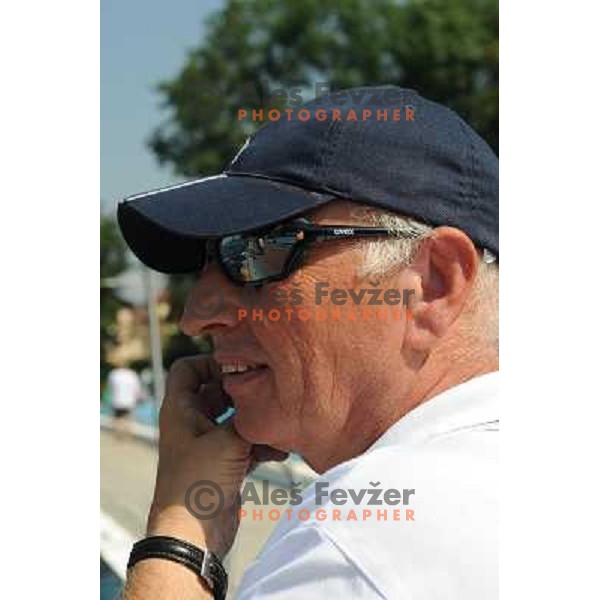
[212,304]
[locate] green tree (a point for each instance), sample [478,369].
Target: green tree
[112,262]
[445,49]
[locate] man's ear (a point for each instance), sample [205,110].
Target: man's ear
[445,268]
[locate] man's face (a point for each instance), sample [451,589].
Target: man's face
[309,379]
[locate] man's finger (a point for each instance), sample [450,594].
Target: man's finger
[203,407]
[195,418]
[212,401]
[187,374]
[180,414]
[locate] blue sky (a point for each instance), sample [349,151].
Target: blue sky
[142,42]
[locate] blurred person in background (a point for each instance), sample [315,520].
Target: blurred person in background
[407,404]
[125,391]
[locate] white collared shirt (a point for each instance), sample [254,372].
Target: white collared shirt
[446,450]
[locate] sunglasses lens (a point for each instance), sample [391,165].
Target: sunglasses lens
[252,258]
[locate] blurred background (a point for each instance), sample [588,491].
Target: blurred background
[173,76]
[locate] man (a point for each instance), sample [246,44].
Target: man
[399,410]
[125,389]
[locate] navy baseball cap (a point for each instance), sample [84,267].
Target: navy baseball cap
[383,146]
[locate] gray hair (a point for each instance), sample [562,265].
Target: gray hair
[382,257]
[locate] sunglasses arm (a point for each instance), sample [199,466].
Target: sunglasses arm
[343,232]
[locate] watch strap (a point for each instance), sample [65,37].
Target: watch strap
[202,562]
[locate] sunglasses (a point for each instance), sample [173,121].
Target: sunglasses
[272,255]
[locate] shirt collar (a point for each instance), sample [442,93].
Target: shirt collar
[466,405]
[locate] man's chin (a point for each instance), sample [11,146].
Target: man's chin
[254,430]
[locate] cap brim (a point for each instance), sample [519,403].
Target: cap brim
[166,229]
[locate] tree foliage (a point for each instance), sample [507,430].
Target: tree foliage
[112,262]
[445,49]
[113,259]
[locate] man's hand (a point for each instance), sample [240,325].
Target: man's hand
[192,449]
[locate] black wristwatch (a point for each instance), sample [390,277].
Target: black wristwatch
[202,562]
